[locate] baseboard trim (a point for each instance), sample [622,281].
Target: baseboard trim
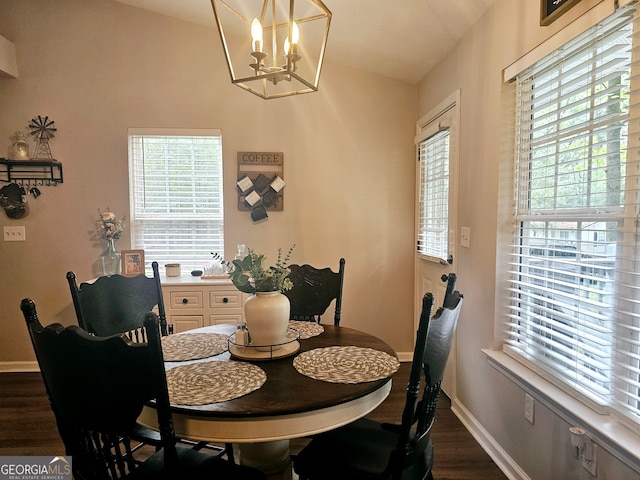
[19,367]
[405,356]
[500,457]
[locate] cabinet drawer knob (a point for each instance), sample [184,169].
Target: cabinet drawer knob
[185,301]
[225,300]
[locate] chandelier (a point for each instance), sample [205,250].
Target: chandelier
[273,48]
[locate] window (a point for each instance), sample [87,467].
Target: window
[433,200]
[176,195]
[574,286]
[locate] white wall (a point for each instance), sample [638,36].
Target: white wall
[97,67]
[492,403]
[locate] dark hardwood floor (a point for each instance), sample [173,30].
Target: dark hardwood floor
[27,427]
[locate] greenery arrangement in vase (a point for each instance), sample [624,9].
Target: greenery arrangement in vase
[266,311]
[110,229]
[249,274]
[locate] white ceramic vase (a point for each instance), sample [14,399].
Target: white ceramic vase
[267,317]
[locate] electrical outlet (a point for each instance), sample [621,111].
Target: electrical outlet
[529,407]
[14,234]
[589,457]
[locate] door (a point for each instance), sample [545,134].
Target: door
[436,207]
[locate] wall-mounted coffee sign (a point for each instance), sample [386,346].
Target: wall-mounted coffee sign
[260,183]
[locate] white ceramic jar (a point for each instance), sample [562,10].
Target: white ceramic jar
[172,269]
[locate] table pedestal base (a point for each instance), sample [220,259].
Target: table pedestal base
[272,458]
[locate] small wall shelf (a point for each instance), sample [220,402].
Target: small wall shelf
[31,172]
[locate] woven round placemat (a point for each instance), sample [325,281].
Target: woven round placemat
[346,364]
[306,329]
[212,382]
[193,346]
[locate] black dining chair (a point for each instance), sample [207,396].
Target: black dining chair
[313,291]
[97,387]
[118,304]
[366,449]
[451,280]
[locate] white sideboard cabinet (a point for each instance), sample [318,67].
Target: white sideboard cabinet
[192,302]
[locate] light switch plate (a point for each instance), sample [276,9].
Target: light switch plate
[465,236]
[14,234]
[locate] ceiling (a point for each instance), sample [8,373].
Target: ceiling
[377,36]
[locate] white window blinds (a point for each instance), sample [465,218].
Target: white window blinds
[574,289]
[176,195]
[433,201]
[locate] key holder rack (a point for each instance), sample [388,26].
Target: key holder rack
[31,173]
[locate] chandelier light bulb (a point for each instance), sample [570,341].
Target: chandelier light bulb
[295,34]
[256,35]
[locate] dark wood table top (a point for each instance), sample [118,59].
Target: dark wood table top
[286,391]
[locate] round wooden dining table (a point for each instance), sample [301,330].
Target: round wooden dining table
[287,405]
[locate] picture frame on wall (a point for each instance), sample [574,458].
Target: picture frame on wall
[551,10]
[132,262]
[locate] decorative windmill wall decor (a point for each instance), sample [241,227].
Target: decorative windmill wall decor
[42,129]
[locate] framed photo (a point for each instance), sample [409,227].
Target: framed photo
[551,10]
[132,262]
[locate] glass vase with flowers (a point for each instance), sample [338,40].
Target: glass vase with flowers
[110,229]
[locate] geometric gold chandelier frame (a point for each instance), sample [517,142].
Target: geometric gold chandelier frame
[273,48]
